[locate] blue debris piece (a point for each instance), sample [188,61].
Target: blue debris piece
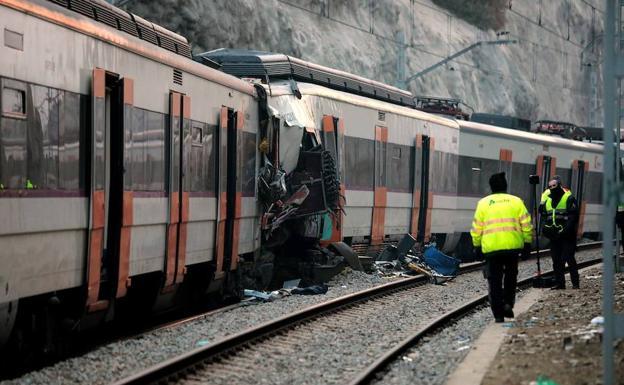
[440,262]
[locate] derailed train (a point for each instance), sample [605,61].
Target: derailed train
[133,177]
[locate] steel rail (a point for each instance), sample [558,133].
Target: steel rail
[439,323]
[188,363]
[176,367]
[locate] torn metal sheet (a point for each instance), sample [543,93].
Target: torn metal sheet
[295,116]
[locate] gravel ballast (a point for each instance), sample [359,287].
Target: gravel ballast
[432,361]
[556,338]
[117,360]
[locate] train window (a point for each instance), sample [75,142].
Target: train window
[400,169]
[197,162]
[519,185]
[13,102]
[147,150]
[475,181]
[69,143]
[202,162]
[197,135]
[45,151]
[249,164]
[43,133]
[565,174]
[593,194]
[446,181]
[137,152]
[154,178]
[209,162]
[13,153]
[396,153]
[359,159]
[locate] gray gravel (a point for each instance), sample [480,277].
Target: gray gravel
[433,360]
[122,358]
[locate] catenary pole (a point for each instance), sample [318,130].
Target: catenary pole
[608,202]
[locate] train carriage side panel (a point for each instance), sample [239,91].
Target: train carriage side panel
[43,199]
[480,148]
[65,60]
[367,168]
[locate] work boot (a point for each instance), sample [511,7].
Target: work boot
[499,320]
[577,286]
[508,312]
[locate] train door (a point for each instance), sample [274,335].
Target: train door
[380,192]
[577,187]
[421,196]
[179,139]
[424,214]
[108,125]
[333,140]
[228,191]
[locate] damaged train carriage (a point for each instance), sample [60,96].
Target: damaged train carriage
[396,173]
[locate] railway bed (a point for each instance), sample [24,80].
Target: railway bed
[123,358]
[463,321]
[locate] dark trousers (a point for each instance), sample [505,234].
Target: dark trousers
[562,252]
[501,272]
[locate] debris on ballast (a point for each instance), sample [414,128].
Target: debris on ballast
[401,260]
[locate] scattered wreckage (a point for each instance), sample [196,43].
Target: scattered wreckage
[394,260]
[401,259]
[299,190]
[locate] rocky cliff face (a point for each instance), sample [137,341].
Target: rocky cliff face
[547,74]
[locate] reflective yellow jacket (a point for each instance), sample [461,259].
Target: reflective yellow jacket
[501,222]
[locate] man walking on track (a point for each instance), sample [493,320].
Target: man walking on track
[501,231]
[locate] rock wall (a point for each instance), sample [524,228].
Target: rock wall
[547,74]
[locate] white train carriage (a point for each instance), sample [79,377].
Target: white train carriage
[486,149]
[396,162]
[398,165]
[128,171]
[405,170]
[122,162]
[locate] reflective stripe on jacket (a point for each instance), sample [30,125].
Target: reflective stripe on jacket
[501,222]
[556,218]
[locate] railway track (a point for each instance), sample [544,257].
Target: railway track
[239,356]
[374,372]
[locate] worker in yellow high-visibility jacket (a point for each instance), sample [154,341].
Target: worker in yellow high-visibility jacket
[501,232]
[559,219]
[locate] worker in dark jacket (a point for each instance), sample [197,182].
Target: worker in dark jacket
[501,231]
[559,224]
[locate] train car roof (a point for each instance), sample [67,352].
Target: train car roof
[529,137]
[50,11]
[248,63]
[284,88]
